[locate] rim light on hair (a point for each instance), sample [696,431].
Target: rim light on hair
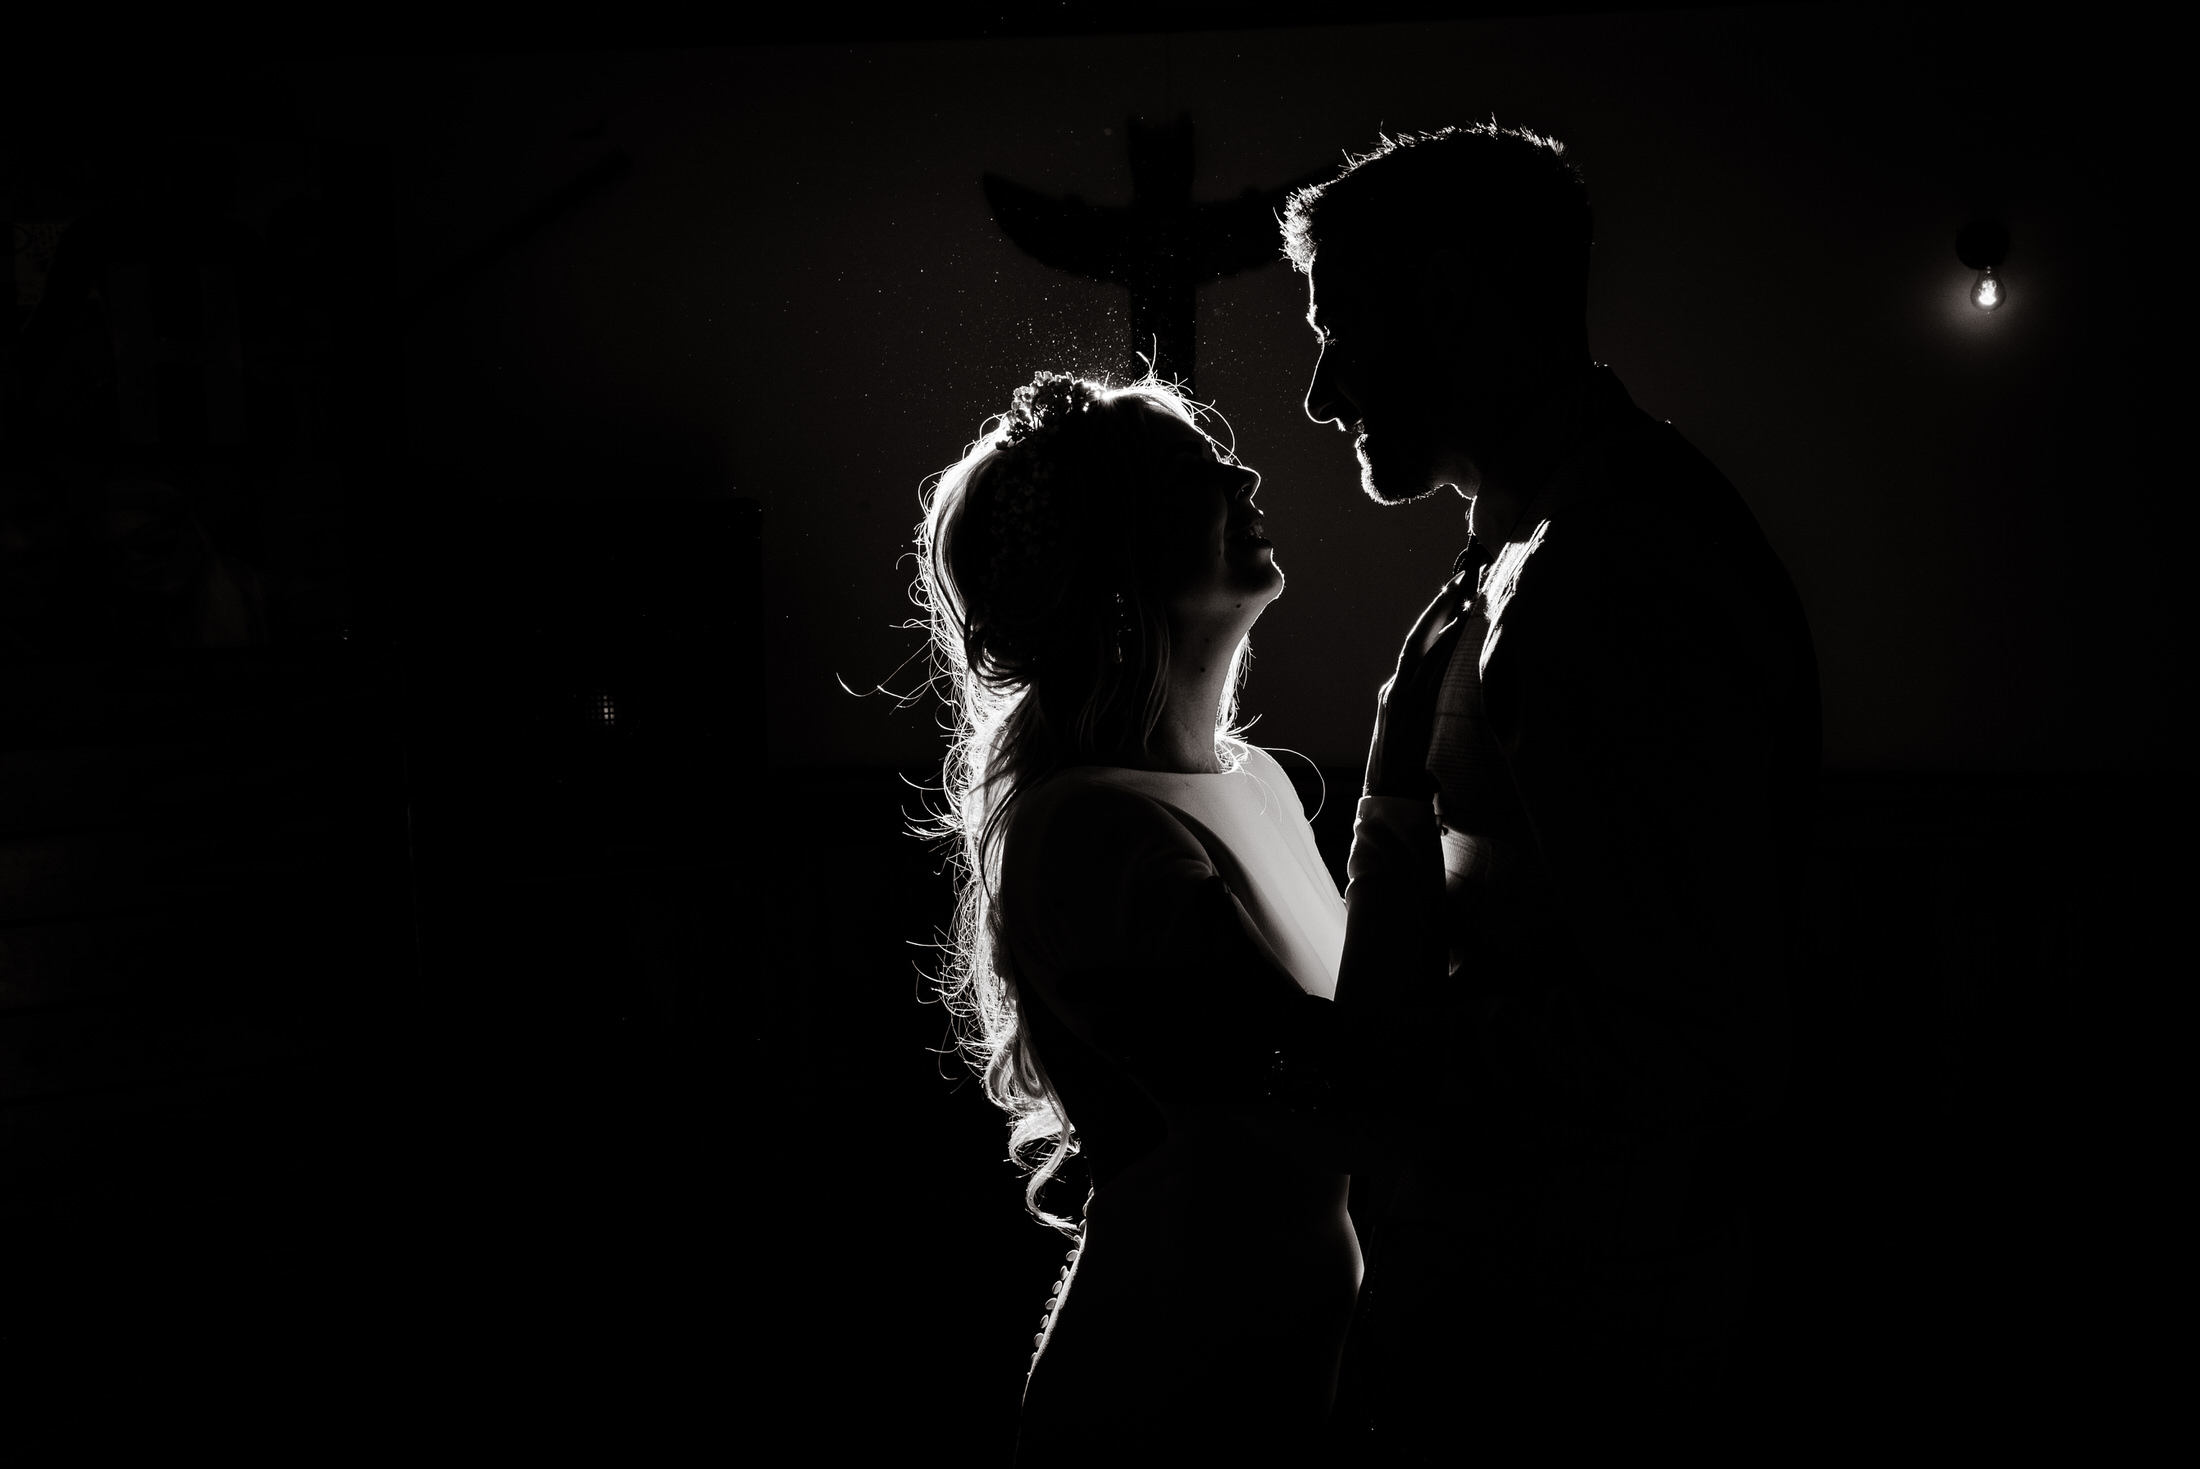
[1051,649]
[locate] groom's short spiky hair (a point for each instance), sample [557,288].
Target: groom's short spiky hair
[1505,196]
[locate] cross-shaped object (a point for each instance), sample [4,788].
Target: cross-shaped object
[1162,245]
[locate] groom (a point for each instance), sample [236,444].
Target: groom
[1616,752]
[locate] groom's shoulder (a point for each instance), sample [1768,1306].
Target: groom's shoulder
[1644,466]
[1631,520]
[1657,464]
[1644,483]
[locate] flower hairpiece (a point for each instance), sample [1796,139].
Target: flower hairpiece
[1047,401]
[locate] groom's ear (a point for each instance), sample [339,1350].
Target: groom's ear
[1443,287]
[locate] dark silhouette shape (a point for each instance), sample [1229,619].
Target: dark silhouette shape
[1561,1261]
[1162,246]
[146,416]
[169,274]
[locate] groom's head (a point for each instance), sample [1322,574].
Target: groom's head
[1447,274]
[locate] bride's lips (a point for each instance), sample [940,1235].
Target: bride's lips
[1252,533]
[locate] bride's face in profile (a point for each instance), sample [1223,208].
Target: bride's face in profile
[1213,560]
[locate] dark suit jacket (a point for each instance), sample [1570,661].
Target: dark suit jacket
[1627,745]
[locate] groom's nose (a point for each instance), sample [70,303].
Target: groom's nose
[1324,403]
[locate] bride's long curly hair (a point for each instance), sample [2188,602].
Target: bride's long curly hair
[1032,574]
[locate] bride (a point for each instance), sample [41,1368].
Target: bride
[1147,940]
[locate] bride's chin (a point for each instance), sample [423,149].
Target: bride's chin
[1265,580]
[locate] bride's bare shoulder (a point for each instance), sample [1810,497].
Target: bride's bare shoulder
[1261,763]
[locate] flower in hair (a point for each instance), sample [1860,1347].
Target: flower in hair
[1047,400]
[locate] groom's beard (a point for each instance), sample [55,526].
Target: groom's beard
[1397,463]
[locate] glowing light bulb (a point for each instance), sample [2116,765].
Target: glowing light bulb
[1987,292]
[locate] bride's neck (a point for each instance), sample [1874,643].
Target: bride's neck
[1183,741]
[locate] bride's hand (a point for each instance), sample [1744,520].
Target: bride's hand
[1405,711]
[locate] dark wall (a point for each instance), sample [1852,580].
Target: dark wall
[372,867]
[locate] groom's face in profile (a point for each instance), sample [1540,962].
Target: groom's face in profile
[1431,359]
[1381,384]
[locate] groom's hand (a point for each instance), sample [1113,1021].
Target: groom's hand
[1405,712]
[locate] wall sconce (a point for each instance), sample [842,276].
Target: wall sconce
[1981,244]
